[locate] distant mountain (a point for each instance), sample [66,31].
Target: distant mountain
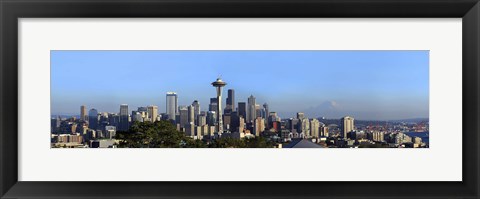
[330,108]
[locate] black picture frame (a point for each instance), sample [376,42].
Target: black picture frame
[12,10]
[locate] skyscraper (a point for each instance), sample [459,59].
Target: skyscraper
[242,109]
[230,101]
[211,118]
[347,125]
[124,123]
[258,111]
[191,114]
[265,107]
[251,112]
[183,116]
[259,126]
[201,119]
[234,121]
[172,105]
[213,104]
[93,119]
[314,128]
[219,84]
[152,112]
[305,127]
[300,115]
[83,113]
[196,111]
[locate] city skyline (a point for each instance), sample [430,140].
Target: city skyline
[395,85]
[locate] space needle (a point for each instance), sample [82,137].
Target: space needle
[218,85]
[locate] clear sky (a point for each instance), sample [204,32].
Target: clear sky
[378,85]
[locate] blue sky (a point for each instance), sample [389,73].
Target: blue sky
[380,85]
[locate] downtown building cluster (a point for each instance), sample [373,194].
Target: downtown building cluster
[238,120]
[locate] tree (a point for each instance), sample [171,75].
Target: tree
[160,134]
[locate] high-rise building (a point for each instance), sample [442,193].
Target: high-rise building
[152,112]
[347,125]
[213,104]
[183,116]
[266,112]
[172,105]
[142,109]
[305,127]
[190,130]
[191,114]
[300,115]
[251,111]
[211,118]
[258,111]
[227,121]
[258,126]
[265,107]
[137,116]
[124,118]
[219,84]
[93,119]
[196,111]
[55,123]
[379,136]
[242,109]
[293,125]
[201,119]
[83,113]
[323,130]
[234,121]
[241,125]
[314,128]
[230,107]
[124,109]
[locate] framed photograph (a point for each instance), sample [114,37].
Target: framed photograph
[230,99]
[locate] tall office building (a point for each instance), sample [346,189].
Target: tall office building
[124,118]
[196,106]
[83,113]
[258,126]
[242,109]
[323,130]
[241,124]
[211,118]
[191,114]
[305,127]
[251,112]
[258,111]
[144,113]
[265,108]
[293,125]
[347,125]
[137,116]
[230,106]
[314,128]
[213,104]
[300,115]
[183,116]
[172,105]
[142,109]
[201,119]
[219,84]
[152,112]
[227,121]
[55,123]
[93,119]
[234,121]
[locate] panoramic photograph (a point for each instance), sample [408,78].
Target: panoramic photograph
[239,99]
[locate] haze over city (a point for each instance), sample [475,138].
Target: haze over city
[370,85]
